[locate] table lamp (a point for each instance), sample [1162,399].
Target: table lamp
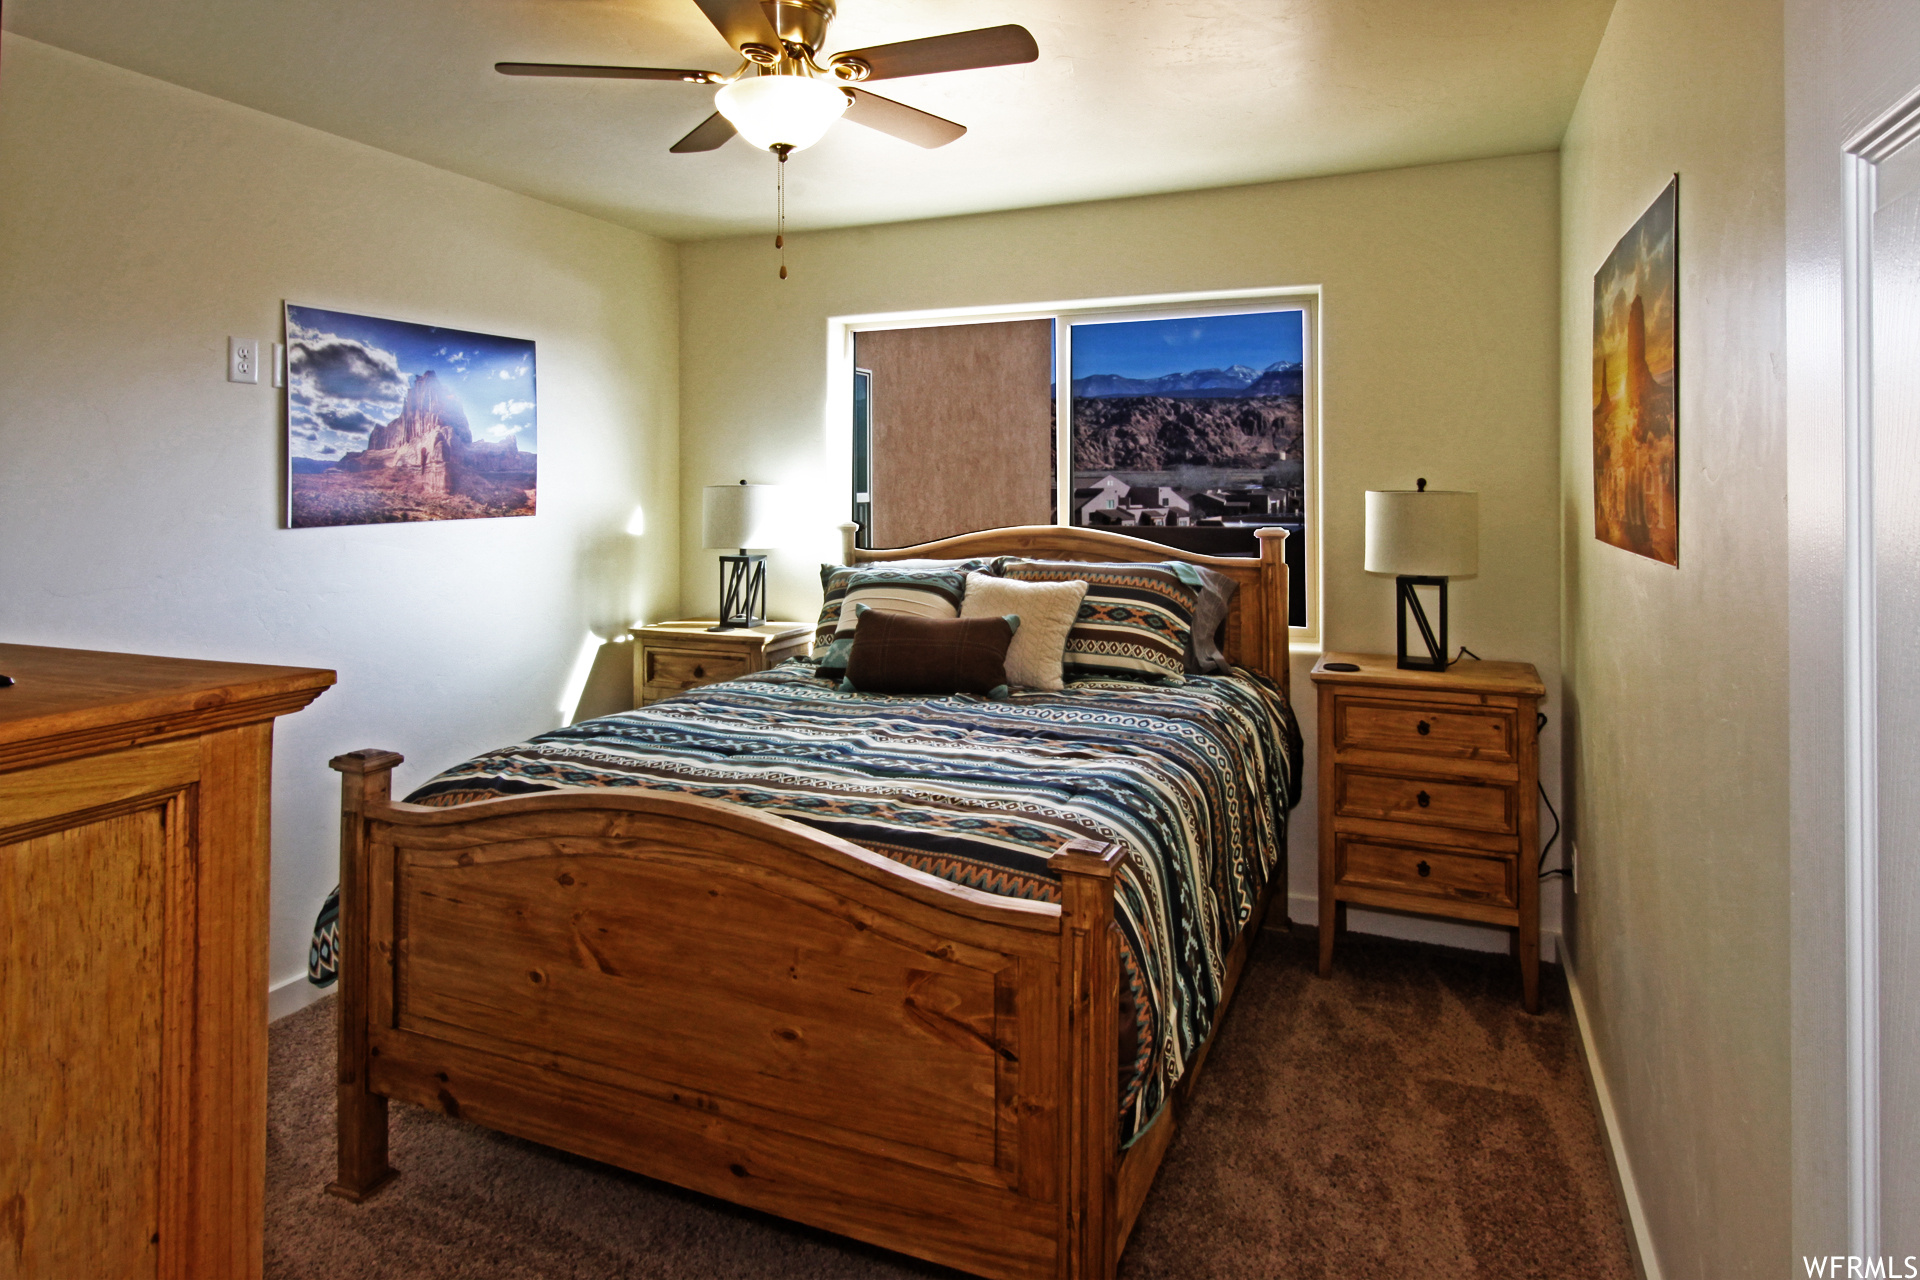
[741,515]
[1423,537]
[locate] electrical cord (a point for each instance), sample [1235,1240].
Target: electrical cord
[1541,866]
[1551,871]
[1464,653]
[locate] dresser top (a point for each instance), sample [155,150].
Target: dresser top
[1469,675]
[115,700]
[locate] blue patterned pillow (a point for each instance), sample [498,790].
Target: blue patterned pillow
[833,585]
[323,955]
[1136,621]
[926,593]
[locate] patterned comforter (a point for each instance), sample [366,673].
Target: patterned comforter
[1191,779]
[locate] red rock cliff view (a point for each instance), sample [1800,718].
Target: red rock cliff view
[423,465]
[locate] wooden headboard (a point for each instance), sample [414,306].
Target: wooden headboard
[1255,635]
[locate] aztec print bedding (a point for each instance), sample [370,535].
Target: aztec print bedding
[1191,779]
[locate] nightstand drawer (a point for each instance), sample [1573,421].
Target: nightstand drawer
[1424,728]
[1438,802]
[677,669]
[1360,862]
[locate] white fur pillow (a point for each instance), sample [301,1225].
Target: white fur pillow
[1046,611]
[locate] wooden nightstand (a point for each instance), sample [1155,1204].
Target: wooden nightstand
[1427,786]
[672,657]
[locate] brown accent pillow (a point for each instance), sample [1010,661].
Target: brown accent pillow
[902,653]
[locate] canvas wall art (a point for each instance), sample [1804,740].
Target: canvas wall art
[1636,384]
[390,421]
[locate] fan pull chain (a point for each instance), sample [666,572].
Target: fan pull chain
[780,205]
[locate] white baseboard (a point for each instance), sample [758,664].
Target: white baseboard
[1641,1239]
[1305,908]
[291,995]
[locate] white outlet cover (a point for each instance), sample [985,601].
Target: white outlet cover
[243,360]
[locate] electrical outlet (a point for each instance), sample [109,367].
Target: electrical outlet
[243,360]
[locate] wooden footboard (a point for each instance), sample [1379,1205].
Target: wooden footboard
[748,1007]
[744,1006]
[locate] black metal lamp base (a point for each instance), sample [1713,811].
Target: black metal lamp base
[1436,659]
[743,592]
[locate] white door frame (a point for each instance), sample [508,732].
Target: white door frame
[1863,155]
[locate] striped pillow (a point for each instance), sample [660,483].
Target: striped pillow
[1135,622]
[924,593]
[833,585]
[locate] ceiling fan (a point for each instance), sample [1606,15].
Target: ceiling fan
[781,98]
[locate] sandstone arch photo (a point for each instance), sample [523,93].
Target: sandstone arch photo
[390,421]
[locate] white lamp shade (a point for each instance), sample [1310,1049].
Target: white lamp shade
[1423,533]
[740,515]
[772,111]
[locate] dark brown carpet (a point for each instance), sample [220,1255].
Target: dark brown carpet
[1404,1119]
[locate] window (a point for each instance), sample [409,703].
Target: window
[863,454]
[1190,421]
[1190,430]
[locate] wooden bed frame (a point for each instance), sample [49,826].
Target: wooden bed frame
[742,1005]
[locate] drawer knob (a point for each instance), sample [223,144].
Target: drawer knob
[1424,728]
[699,673]
[1423,868]
[1424,799]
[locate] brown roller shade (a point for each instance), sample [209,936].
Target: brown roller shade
[962,428]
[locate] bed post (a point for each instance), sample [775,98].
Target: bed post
[849,542]
[1090,1087]
[1278,652]
[366,781]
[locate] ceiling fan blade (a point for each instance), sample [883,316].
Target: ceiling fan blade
[741,22]
[961,51]
[910,124]
[604,73]
[708,135]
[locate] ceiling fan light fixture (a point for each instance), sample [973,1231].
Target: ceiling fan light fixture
[781,110]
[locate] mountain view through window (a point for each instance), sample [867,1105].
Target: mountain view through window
[1188,423]
[1190,431]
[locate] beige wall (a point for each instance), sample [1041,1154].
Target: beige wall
[141,494]
[1676,680]
[1439,319]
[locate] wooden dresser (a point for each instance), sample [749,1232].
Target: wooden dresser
[673,657]
[133,984]
[1427,797]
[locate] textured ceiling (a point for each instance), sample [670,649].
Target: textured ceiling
[1128,97]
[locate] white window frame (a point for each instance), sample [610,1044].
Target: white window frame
[1167,306]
